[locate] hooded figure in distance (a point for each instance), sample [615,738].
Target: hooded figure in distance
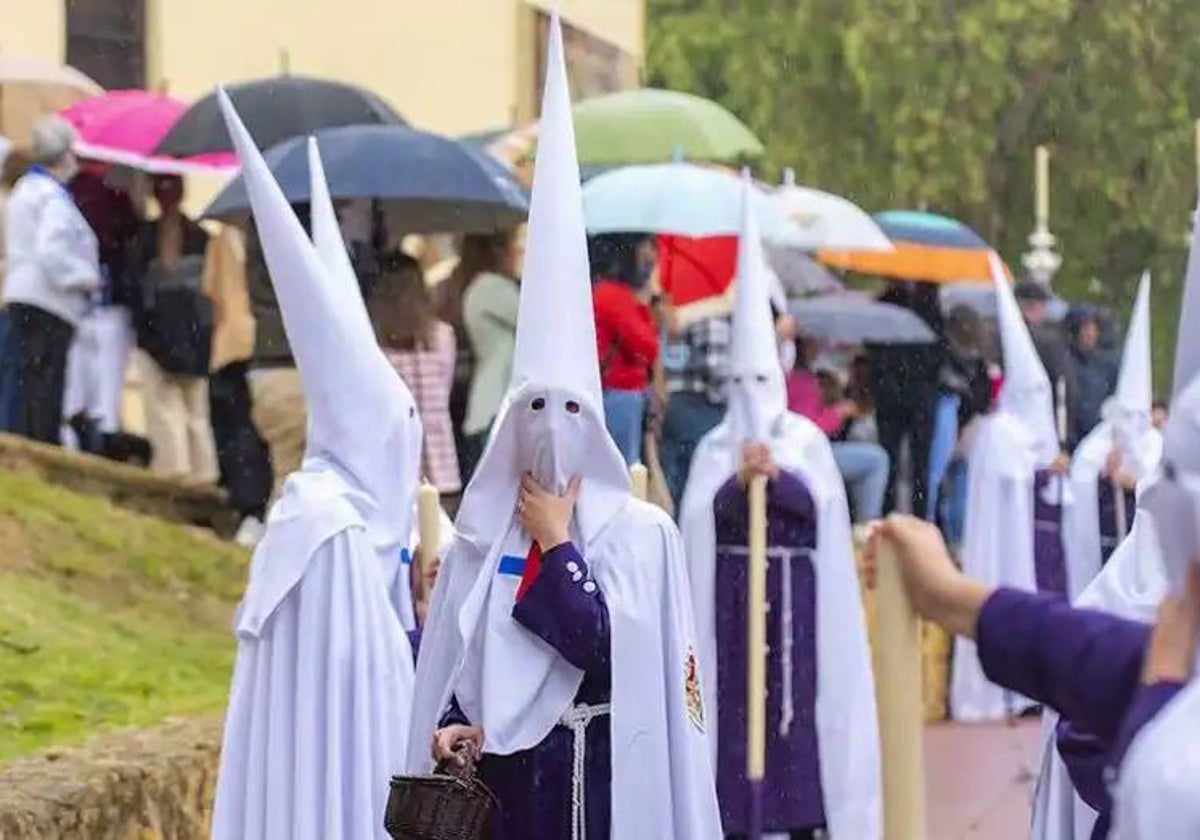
[560,640]
[318,713]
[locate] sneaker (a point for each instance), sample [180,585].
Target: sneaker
[249,532]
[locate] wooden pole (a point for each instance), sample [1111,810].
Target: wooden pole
[756,665]
[429,526]
[898,696]
[639,481]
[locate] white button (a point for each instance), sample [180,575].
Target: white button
[572,566]
[589,587]
[578,576]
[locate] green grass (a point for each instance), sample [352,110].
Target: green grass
[107,618]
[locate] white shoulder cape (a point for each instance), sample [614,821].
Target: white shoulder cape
[662,777]
[847,724]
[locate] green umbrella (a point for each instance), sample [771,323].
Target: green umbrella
[654,126]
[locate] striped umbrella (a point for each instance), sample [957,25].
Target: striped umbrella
[929,247]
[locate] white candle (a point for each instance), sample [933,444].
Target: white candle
[1042,185]
[429,526]
[756,630]
[639,481]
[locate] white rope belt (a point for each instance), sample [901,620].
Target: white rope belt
[787,709]
[577,719]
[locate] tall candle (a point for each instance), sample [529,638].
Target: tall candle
[1042,185]
[1060,409]
[429,526]
[639,481]
[756,630]
[898,697]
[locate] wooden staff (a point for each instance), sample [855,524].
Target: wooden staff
[756,665]
[1119,506]
[429,526]
[898,696]
[639,481]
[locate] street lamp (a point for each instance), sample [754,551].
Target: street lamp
[1042,260]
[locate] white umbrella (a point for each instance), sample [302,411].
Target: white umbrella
[833,222]
[30,88]
[681,199]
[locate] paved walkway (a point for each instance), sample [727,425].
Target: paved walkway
[978,780]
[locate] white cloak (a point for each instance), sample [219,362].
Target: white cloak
[846,718]
[662,777]
[318,713]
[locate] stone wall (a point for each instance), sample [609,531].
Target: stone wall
[149,784]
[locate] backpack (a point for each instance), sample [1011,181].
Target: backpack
[176,321]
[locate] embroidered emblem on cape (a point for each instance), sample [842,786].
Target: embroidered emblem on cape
[691,689]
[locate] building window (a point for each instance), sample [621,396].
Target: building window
[106,39]
[594,66]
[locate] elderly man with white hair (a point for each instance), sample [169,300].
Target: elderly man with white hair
[52,269]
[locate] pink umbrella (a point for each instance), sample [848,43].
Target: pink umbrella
[124,126]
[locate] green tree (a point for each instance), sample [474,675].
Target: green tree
[940,103]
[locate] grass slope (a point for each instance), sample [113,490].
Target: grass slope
[107,618]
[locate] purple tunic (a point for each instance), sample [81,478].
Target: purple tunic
[792,797]
[1049,557]
[1084,664]
[1107,500]
[534,785]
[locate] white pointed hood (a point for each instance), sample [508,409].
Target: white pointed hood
[1187,345]
[757,391]
[1026,392]
[1127,412]
[362,422]
[555,358]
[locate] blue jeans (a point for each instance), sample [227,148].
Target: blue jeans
[689,417]
[623,412]
[941,449]
[10,363]
[954,501]
[864,468]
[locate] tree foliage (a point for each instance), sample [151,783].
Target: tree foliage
[939,104]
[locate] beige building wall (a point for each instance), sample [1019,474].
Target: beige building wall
[33,27]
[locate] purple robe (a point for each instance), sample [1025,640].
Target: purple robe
[1106,498]
[792,797]
[1084,664]
[534,785]
[1049,556]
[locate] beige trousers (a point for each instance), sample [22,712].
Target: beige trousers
[281,417]
[177,423]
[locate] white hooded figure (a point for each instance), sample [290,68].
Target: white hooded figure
[589,720]
[822,731]
[1011,445]
[1130,585]
[1127,437]
[318,713]
[1155,795]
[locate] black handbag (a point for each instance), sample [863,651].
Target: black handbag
[450,804]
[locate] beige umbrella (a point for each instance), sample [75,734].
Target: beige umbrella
[30,88]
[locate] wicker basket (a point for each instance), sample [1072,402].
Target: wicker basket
[451,804]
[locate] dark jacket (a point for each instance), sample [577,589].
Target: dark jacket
[1055,355]
[1095,379]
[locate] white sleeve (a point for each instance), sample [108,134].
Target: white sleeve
[66,248]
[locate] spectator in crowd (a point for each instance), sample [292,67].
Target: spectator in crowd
[1159,412]
[100,352]
[174,327]
[904,381]
[1095,372]
[52,272]
[12,166]
[862,463]
[1052,349]
[497,255]
[964,391]
[696,366]
[489,315]
[421,348]
[626,333]
[242,456]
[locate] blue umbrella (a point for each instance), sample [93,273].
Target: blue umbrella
[429,183]
[681,199]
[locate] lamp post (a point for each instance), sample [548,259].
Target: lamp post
[1042,260]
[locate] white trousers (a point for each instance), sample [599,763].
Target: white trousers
[96,369]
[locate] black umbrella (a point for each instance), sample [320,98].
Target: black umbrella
[275,110]
[429,183]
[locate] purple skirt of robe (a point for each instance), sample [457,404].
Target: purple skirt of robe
[792,796]
[1049,556]
[1107,500]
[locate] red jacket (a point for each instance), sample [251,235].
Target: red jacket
[626,340]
